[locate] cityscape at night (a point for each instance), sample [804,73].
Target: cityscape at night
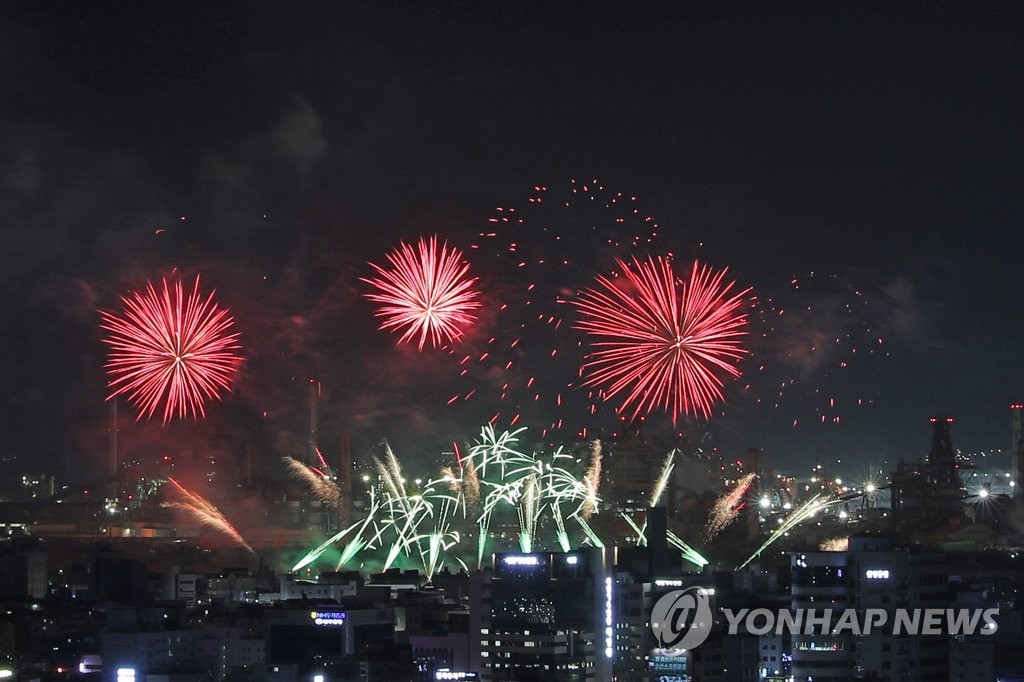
[605,342]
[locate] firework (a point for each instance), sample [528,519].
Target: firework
[427,526]
[471,484]
[809,333]
[841,544]
[666,472]
[426,294]
[541,252]
[688,553]
[726,508]
[171,348]
[203,511]
[319,484]
[592,481]
[313,555]
[798,516]
[390,471]
[595,540]
[659,489]
[661,342]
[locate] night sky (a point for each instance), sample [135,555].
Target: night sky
[275,149]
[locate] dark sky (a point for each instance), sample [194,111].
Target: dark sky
[280,147]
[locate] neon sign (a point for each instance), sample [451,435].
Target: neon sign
[328,617]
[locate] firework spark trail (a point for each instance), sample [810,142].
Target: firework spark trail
[592,481]
[659,489]
[561,535]
[466,488]
[390,472]
[453,481]
[727,507]
[314,554]
[811,333]
[528,512]
[442,537]
[689,553]
[528,483]
[320,456]
[406,514]
[589,532]
[357,542]
[841,544]
[205,513]
[320,486]
[661,342]
[496,450]
[425,524]
[426,293]
[404,511]
[666,472]
[481,542]
[641,537]
[798,516]
[471,484]
[170,347]
[538,267]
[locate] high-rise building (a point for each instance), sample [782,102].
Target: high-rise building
[23,570]
[545,617]
[871,575]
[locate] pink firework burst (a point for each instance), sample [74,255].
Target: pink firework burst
[170,347]
[426,294]
[661,341]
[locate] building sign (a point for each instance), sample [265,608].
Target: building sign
[459,675]
[328,617]
[608,649]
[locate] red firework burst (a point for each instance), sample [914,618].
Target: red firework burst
[172,348]
[426,293]
[662,341]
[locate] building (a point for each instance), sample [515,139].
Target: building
[328,586]
[544,617]
[22,570]
[299,634]
[871,575]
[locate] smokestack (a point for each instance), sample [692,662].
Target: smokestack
[1018,453]
[248,465]
[113,462]
[345,477]
[314,396]
[941,462]
[754,461]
